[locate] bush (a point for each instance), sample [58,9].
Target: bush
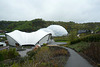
[44,57]
[60,39]
[8,54]
[31,54]
[79,47]
[1,57]
[45,44]
[93,51]
[49,56]
[12,53]
[2,65]
[90,49]
[89,38]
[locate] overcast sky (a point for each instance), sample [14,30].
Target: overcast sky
[54,10]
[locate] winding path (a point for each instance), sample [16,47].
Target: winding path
[75,60]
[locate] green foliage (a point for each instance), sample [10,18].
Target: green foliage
[12,53]
[8,54]
[93,51]
[79,47]
[3,39]
[90,49]
[2,65]
[61,39]
[15,65]
[31,54]
[89,38]
[1,57]
[44,57]
[49,56]
[73,35]
[45,44]
[36,24]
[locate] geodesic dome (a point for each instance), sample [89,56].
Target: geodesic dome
[58,30]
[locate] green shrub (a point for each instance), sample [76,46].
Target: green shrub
[93,51]
[2,65]
[80,46]
[60,39]
[12,53]
[31,54]
[45,44]
[15,65]
[8,53]
[49,56]
[1,57]
[89,38]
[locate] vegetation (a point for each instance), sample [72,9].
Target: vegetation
[90,49]
[61,39]
[8,54]
[49,56]
[42,57]
[93,51]
[79,47]
[36,24]
[73,35]
[89,38]
[2,39]
[87,44]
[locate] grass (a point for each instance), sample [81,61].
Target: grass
[2,33]
[79,47]
[61,39]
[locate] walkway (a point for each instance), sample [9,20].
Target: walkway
[56,43]
[75,60]
[23,53]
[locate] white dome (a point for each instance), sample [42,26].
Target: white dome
[48,30]
[58,30]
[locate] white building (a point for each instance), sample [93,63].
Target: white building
[44,35]
[19,38]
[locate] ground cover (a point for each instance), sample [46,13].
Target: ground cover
[45,56]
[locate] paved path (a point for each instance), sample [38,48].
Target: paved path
[57,43]
[6,47]
[75,60]
[23,53]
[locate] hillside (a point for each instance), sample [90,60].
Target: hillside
[36,24]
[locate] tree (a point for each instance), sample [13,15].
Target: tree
[73,35]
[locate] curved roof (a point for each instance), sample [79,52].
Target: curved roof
[24,38]
[58,30]
[48,30]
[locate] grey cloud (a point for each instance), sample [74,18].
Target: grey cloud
[55,10]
